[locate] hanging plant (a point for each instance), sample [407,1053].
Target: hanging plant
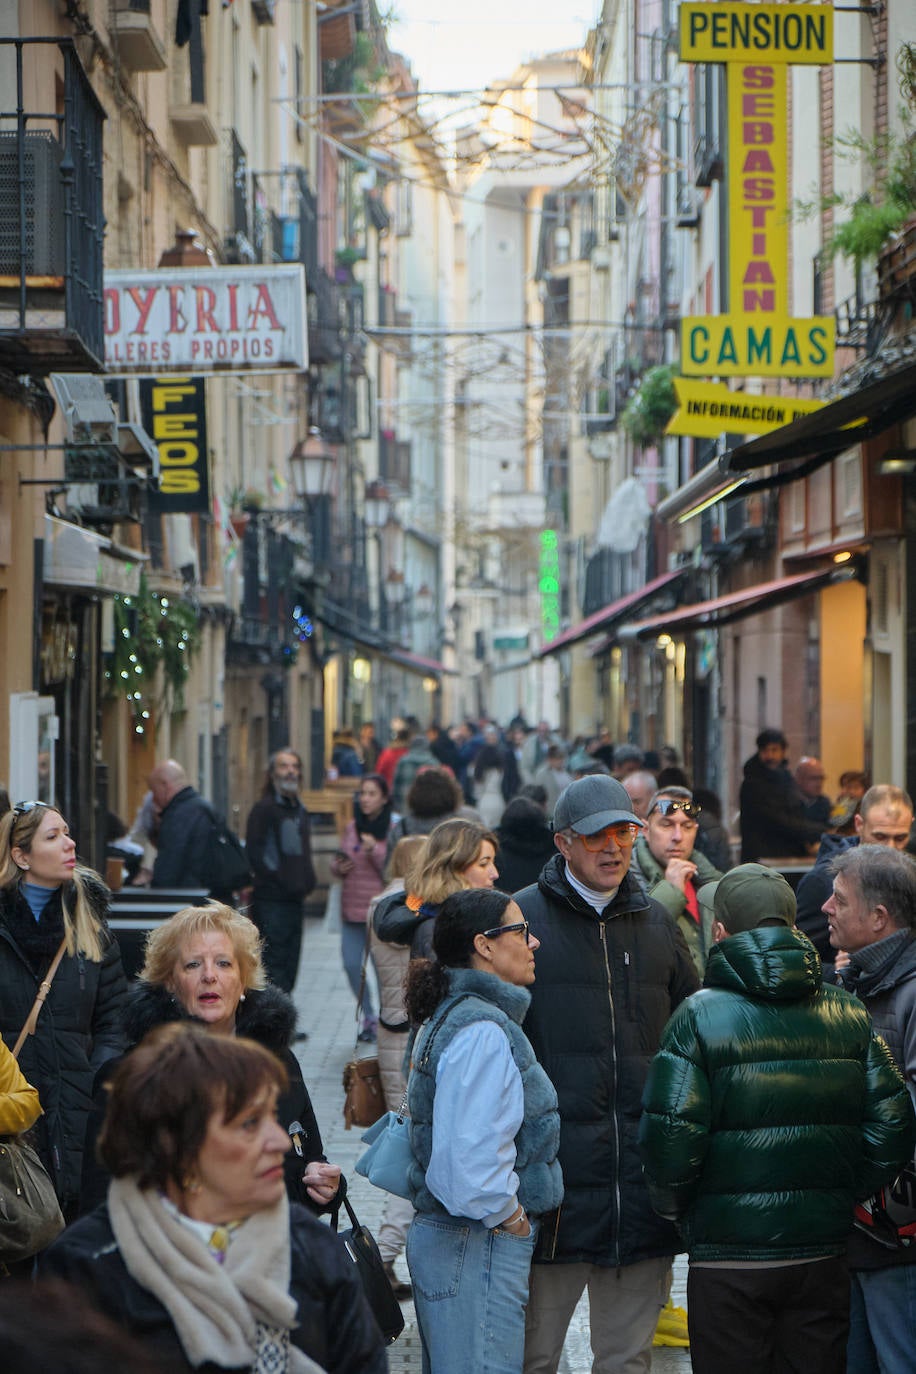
[647,412]
[152,632]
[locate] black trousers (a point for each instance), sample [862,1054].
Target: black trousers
[281,925]
[789,1320]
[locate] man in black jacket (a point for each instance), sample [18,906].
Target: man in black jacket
[185,822]
[278,846]
[773,820]
[612,967]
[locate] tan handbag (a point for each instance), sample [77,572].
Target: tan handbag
[364,1102]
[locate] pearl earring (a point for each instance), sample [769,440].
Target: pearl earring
[242,998]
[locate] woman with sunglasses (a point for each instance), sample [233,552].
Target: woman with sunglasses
[484,1135]
[47,899]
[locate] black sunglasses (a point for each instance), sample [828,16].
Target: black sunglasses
[666,806]
[504,930]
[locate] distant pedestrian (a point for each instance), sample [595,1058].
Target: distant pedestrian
[280,853]
[417,755]
[489,782]
[184,823]
[553,775]
[525,844]
[773,820]
[771,1107]
[810,776]
[640,787]
[360,864]
[628,758]
[434,796]
[390,756]
[484,1133]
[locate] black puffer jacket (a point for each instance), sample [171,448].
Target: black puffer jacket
[267,1016]
[78,1030]
[336,1328]
[773,820]
[605,988]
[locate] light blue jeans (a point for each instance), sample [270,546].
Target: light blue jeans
[882,1321]
[470,1291]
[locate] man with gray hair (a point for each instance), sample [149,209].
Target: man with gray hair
[871,917]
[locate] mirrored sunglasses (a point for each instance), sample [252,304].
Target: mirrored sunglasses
[24,807]
[667,806]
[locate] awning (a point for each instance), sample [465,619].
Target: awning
[722,610]
[601,620]
[703,488]
[815,439]
[88,562]
[416,663]
[340,621]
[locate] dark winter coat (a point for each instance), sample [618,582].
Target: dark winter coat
[889,994]
[773,820]
[267,1016]
[523,851]
[336,1328]
[605,988]
[181,841]
[78,1030]
[771,1107]
[814,890]
[279,848]
[395,923]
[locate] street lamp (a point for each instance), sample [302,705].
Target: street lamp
[423,599]
[377,505]
[311,466]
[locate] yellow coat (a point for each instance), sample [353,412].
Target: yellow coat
[19,1104]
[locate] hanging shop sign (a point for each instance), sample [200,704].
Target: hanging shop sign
[758,337]
[549,584]
[706,409]
[767,33]
[203,320]
[174,413]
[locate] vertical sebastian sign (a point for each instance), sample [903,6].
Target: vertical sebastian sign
[174,413]
[757,190]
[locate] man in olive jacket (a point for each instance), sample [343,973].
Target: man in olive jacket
[771,1107]
[612,967]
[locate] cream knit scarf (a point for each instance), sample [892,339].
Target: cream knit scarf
[219,1311]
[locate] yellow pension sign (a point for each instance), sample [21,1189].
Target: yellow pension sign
[707,409]
[757,346]
[801,34]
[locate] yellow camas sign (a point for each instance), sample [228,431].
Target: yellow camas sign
[706,409]
[766,33]
[754,346]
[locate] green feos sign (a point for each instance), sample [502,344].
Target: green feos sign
[549,584]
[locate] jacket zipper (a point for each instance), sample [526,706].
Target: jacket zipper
[610,998]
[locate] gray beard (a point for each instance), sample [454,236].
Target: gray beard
[288,788]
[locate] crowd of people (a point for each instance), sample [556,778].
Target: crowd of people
[539,921]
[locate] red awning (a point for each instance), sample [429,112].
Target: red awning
[601,620]
[429,667]
[722,610]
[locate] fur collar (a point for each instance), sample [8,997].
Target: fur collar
[266,1015]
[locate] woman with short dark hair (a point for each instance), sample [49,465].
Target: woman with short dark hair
[197,1248]
[484,1134]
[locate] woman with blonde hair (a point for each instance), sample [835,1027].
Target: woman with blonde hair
[203,967]
[391,969]
[459,854]
[50,903]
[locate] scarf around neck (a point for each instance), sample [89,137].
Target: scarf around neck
[224,1314]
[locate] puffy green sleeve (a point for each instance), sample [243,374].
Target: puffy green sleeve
[674,1130]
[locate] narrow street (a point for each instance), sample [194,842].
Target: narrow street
[325,1006]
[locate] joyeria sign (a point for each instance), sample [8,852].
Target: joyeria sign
[757,337]
[212,319]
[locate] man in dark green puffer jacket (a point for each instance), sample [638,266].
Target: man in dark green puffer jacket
[770,1108]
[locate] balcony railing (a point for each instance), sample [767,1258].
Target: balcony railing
[51,213]
[323,318]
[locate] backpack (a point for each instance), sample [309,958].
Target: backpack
[890,1216]
[223,864]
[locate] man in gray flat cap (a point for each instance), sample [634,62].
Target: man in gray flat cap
[612,967]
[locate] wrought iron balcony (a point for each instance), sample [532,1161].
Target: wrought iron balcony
[51,214]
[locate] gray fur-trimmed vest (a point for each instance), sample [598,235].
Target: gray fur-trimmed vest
[475,995]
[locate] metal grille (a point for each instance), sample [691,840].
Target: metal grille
[42,233]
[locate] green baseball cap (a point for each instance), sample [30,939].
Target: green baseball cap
[750,895]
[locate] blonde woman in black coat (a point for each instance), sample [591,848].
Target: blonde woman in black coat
[47,897]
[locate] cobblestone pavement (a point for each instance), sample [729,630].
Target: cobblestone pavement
[326,1012]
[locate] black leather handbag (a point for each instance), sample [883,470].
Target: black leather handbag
[364,1253]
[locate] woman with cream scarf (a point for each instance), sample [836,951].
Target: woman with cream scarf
[197,1249]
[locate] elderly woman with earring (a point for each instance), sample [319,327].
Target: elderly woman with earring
[50,902]
[197,1248]
[203,966]
[484,1135]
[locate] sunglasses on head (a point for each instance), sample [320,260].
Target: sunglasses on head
[23,808]
[667,806]
[622,833]
[504,930]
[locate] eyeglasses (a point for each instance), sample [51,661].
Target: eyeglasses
[622,834]
[504,930]
[23,808]
[667,806]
